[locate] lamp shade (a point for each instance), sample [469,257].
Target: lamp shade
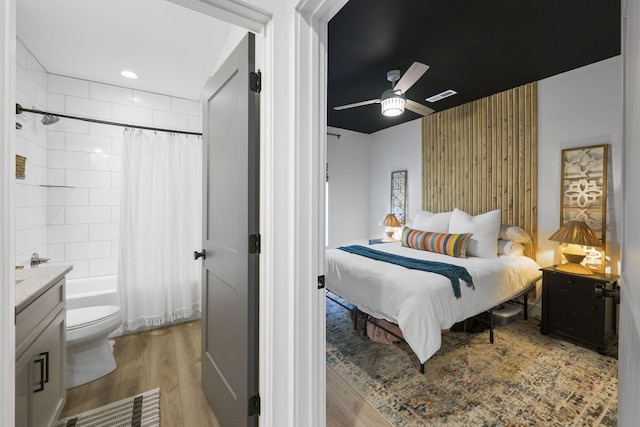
[392,103]
[576,232]
[390,220]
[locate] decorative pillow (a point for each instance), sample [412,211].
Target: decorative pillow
[484,227]
[506,247]
[513,233]
[442,243]
[429,221]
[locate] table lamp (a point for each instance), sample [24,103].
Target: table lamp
[576,234]
[391,223]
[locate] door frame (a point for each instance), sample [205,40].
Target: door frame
[292,365]
[629,336]
[292,360]
[7,198]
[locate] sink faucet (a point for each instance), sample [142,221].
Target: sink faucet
[36,260]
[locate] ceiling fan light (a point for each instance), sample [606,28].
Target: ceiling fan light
[392,104]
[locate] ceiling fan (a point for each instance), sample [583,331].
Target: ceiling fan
[393,101]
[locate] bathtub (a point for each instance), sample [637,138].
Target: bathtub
[92,291]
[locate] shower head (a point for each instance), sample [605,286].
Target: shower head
[49,119]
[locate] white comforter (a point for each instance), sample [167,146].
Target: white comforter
[422,303]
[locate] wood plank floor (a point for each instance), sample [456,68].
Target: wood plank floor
[169,358]
[346,408]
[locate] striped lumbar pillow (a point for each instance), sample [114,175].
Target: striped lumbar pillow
[442,243]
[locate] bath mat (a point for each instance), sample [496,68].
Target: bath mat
[523,379]
[141,410]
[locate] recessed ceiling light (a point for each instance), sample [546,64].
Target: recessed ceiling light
[129,74]
[441,95]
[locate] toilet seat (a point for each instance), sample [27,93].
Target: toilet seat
[86,323]
[87,316]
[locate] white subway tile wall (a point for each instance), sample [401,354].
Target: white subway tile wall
[31,142]
[63,233]
[151,100]
[185,106]
[137,115]
[68,86]
[116,95]
[173,120]
[55,103]
[77,222]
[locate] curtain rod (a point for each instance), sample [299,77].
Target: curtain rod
[20,109]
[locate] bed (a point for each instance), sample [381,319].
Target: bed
[422,303]
[480,158]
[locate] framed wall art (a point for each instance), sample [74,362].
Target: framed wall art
[399,195]
[584,194]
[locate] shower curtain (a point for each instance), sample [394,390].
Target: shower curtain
[160,227]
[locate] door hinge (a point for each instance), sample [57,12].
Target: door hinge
[321,282]
[255,81]
[254,243]
[254,405]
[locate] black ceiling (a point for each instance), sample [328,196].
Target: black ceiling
[476,48]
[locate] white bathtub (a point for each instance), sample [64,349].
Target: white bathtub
[92,291]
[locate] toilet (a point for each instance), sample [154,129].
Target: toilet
[89,353]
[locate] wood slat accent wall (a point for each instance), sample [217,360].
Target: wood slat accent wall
[483,156]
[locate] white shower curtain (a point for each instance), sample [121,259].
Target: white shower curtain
[160,227]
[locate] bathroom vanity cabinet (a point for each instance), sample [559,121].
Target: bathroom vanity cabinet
[40,346]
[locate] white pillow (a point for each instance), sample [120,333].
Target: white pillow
[508,248]
[434,222]
[485,228]
[513,233]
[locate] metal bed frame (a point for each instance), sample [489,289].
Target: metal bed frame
[365,316]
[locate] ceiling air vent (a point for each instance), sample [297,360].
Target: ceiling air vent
[442,95]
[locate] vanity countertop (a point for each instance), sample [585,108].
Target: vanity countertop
[33,282]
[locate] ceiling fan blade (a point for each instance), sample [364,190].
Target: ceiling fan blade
[418,108]
[357,104]
[411,76]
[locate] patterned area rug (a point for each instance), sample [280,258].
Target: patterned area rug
[142,410]
[523,379]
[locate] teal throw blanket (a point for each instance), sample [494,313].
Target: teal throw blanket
[454,273]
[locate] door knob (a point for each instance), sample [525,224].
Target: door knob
[200,254]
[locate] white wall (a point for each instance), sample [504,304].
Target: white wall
[75,220]
[579,108]
[31,142]
[395,148]
[360,167]
[348,189]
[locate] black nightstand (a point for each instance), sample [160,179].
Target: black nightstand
[571,308]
